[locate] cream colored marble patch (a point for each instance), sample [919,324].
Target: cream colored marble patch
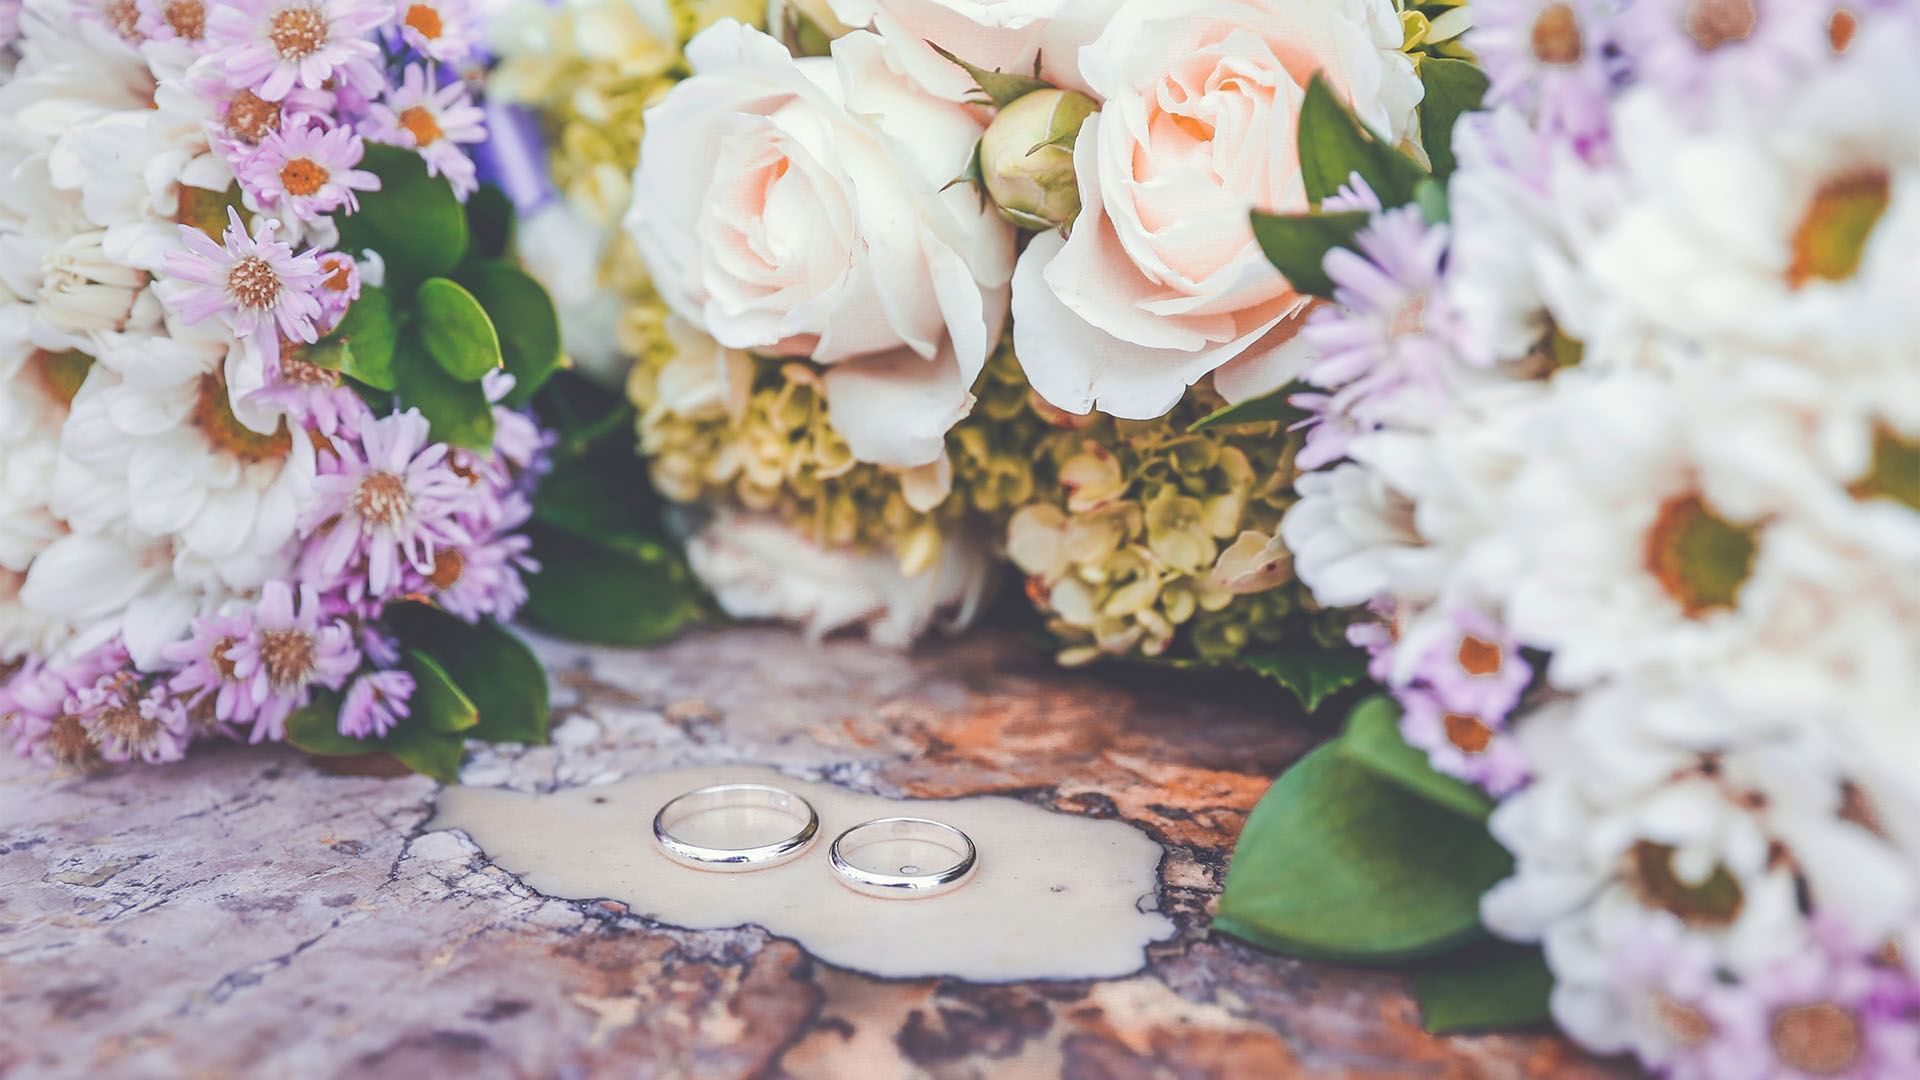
[1055,896]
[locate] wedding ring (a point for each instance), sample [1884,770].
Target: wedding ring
[730,799]
[902,858]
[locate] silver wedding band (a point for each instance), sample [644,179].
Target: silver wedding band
[904,881]
[732,797]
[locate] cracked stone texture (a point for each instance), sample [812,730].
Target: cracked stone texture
[250,913]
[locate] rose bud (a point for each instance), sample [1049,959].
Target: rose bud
[1026,158]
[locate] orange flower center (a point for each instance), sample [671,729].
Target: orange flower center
[1468,733]
[287,656]
[1832,237]
[447,568]
[1840,29]
[187,18]
[1822,1039]
[251,117]
[1699,558]
[1478,656]
[1556,36]
[124,16]
[339,272]
[297,32]
[59,374]
[303,176]
[213,415]
[425,20]
[1713,23]
[419,121]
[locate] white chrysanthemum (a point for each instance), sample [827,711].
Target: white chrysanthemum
[1787,225]
[1350,534]
[166,421]
[758,568]
[1657,801]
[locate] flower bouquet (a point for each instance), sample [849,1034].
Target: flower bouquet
[1565,367]
[264,358]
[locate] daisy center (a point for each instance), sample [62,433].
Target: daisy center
[253,283]
[297,32]
[1478,656]
[67,740]
[213,416]
[218,657]
[126,724]
[1712,903]
[419,122]
[382,499]
[1713,23]
[1894,472]
[1684,1024]
[1822,1039]
[60,374]
[424,19]
[1700,558]
[1840,29]
[447,568]
[1556,35]
[287,656]
[302,372]
[1469,734]
[187,18]
[124,16]
[251,117]
[340,272]
[303,176]
[1832,238]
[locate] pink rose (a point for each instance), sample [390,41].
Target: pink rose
[999,35]
[1161,282]
[796,208]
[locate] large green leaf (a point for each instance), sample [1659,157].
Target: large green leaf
[1492,986]
[417,746]
[364,341]
[1338,864]
[458,411]
[414,221]
[1373,741]
[1297,244]
[625,591]
[316,729]
[490,665]
[428,752]
[1312,675]
[1453,87]
[1260,410]
[438,701]
[456,330]
[523,313]
[1334,145]
[490,222]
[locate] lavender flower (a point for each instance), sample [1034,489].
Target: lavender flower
[270,46]
[256,284]
[308,170]
[375,703]
[1547,57]
[443,30]
[1699,50]
[289,652]
[34,707]
[1471,746]
[339,289]
[416,115]
[393,500]
[1474,666]
[173,20]
[206,668]
[483,578]
[127,722]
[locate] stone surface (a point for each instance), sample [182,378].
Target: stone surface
[248,914]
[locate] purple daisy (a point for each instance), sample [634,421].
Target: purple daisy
[392,502]
[256,284]
[1470,664]
[270,46]
[339,289]
[1549,58]
[173,20]
[484,578]
[1471,746]
[1699,51]
[126,721]
[205,675]
[33,707]
[308,170]
[434,121]
[443,30]
[289,652]
[375,703]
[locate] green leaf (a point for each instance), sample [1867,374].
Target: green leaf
[1334,145]
[1373,741]
[524,315]
[490,222]
[631,592]
[1297,244]
[1493,986]
[1261,410]
[458,411]
[426,751]
[316,729]
[437,700]
[1312,675]
[1453,87]
[414,221]
[1431,197]
[456,330]
[1337,864]
[490,665]
[999,88]
[367,336]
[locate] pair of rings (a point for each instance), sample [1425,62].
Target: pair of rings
[856,855]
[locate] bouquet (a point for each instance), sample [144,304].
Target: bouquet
[1564,367]
[263,363]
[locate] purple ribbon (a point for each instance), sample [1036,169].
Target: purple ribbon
[515,157]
